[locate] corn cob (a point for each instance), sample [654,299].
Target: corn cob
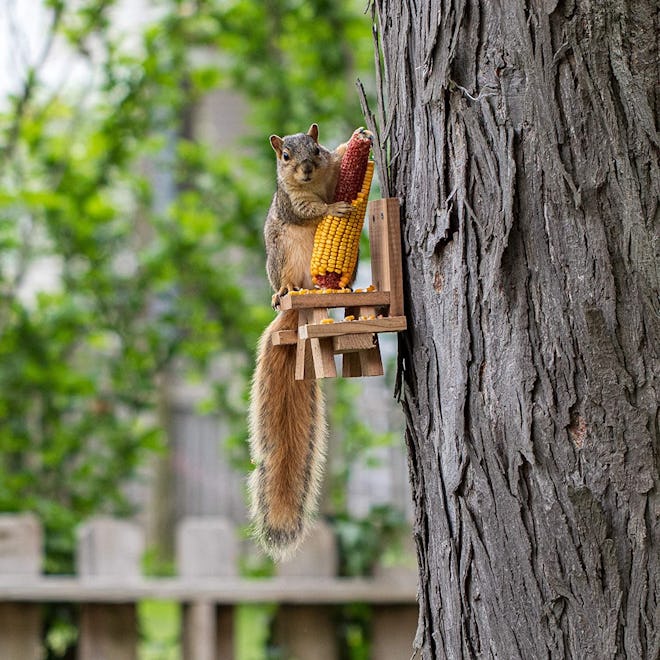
[336,243]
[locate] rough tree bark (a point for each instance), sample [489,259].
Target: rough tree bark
[520,137]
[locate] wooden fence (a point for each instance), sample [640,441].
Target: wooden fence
[108,585]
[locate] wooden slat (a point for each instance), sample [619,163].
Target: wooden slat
[323,356]
[20,631]
[200,631]
[311,300]
[388,324]
[367,362]
[322,353]
[282,337]
[393,631]
[107,631]
[371,363]
[218,590]
[351,343]
[306,632]
[385,239]
[350,364]
[304,362]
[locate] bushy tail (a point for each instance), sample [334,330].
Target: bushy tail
[287,444]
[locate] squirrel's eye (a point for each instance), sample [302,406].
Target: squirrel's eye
[285,155]
[317,151]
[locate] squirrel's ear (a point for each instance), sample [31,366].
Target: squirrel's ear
[314,132]
[276,142]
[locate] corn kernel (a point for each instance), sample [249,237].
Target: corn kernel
[336,243]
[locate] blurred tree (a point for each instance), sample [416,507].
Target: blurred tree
[134,284]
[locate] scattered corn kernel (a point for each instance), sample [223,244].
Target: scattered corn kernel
[327,321]
[350,317]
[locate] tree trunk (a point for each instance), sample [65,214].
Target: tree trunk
[520,138]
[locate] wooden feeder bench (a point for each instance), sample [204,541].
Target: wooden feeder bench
[375,311]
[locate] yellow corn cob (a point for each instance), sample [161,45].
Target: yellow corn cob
[335,254]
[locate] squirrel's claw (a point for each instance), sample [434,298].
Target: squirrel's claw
[275,299]
[340,209]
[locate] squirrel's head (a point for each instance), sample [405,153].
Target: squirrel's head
[299,156]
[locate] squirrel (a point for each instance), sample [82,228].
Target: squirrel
[287,416]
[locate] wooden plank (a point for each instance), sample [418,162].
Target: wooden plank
[365,312]
[385,240]
[370,361]
[108,548]
[219,590]
[322,353]
[354,299]
[20,631]
[282,337]
[304,362]
[306,632]
[393,630]
[207,547]
[108,631]
[339,328]
[199,631]
[324,358]
[225,645]
[21,557]
[350,365]
[351,343]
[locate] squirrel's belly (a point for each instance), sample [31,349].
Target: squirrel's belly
[296,271]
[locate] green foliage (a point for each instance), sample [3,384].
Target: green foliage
[151,242]
[139,277]
[363,541]
[354,628]
[252,630]
[159,624]
[299,60]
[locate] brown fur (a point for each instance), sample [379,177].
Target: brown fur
[287,419]
[288,436]
[306,180]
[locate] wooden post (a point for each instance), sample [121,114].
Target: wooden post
[394,625]
[304,360]
[108,549]
[107,632]
[207,547]
[322,351]
[308,631]
[385,240]
[393,631]
[21,543]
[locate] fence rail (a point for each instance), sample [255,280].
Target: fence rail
[223,591]
[108,586]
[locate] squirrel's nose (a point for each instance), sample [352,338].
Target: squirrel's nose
[307,168]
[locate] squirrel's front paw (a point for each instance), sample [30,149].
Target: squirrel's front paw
[275,299]
[340,209]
